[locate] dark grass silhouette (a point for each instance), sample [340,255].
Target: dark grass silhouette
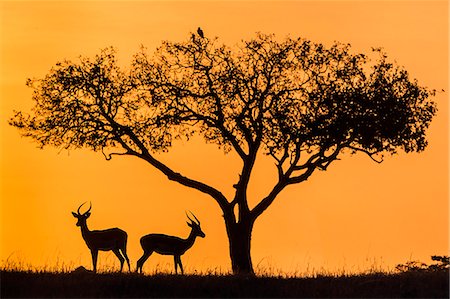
[411,284]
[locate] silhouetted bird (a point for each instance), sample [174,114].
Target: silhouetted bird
[200,32]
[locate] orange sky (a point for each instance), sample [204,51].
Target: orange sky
[353,215]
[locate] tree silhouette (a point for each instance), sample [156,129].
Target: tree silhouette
[301,103]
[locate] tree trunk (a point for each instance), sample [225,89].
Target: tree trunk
[239,236]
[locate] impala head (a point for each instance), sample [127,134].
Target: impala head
[195,225]
[82,217]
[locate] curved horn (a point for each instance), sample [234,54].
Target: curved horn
[90,207]
[198,222]
[78,211]
[188,217]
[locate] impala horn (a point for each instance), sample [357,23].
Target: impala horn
[78,211]
[90,207]
[197,222]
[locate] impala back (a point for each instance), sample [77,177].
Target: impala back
[107,239]
[163,244]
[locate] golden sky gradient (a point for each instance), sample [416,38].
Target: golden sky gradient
[354,214]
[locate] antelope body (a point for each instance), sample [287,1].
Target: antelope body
[113,239]
[169,245]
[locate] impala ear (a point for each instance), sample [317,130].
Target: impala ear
[75,214]
[189,224]
[87,214]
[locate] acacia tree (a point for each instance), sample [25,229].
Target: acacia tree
[301,103]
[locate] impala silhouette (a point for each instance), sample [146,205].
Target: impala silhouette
[113,239]
[170,245]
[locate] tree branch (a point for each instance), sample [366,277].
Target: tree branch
[318,160]
[267,201]
[218,123]
[304,176]
[177,177]
[367,153]
[172,175]
[280,161]
[109,156]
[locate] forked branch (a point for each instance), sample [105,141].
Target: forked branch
[316,161]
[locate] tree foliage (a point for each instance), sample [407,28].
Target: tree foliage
[300,102]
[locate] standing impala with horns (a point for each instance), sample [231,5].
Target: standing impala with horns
[170,245]
[113,239]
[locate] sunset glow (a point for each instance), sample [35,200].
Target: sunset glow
[355,216]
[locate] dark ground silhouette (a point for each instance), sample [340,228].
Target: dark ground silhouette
[415,284]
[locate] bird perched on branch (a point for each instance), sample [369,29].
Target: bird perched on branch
[200,32]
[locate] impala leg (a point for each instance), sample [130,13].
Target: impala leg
[141,261]
[177,259]
[120,257]
[94,254]
[181,265]
[124,252]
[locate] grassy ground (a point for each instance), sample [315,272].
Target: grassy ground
[418,284]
